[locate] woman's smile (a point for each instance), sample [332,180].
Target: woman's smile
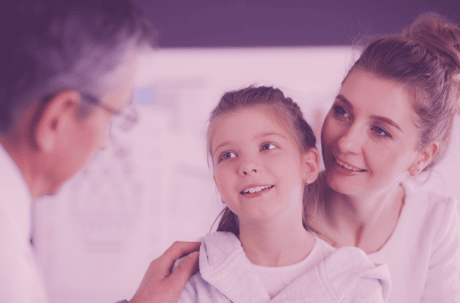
[369,135]
[348,167]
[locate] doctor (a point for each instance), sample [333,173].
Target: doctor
[66,71]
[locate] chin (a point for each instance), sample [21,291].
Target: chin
[340,186]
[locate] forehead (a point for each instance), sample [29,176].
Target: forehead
[246,123]
[375,96]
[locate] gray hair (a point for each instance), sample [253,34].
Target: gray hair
[66,44]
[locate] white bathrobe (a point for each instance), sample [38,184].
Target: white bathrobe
[226,275]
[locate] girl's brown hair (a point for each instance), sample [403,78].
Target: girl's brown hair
[270,98]
[424,58]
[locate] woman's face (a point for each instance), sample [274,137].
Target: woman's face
[369,136]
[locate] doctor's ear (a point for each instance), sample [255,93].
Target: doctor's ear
[54,119]
[311,163]
[424,158]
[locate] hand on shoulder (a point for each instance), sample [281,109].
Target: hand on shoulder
[160,283]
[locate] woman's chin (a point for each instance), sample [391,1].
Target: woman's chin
[346,184]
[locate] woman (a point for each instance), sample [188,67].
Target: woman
[392,120]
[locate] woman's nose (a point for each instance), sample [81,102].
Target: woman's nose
[351,140]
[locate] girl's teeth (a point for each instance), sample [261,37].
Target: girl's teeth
[256,189]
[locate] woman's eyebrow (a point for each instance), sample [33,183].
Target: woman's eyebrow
[377,118]
[388,121]
[344,100]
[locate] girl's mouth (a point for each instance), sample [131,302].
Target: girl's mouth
[256,189]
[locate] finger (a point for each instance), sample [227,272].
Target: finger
[177,250]
[186,268]
[180,249]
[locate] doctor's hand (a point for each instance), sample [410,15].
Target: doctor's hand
[159,283]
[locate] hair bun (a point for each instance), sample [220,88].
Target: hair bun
[438,35]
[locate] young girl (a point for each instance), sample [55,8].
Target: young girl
[392,120]
[263,156]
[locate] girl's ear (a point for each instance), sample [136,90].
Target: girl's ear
[424,158]
[311,163]
[55,120]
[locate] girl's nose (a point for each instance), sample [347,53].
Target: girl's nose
[253,170]
[248,168]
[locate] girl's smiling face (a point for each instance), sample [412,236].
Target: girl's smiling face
[258,168]
[369,136]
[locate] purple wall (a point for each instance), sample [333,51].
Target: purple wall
[238,23]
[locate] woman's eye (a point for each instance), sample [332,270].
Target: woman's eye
[381,132]
[227,155]
[267,146]
[340,111]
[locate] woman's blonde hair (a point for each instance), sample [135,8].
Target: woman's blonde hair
[424,58]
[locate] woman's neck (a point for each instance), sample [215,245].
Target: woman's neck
[366,221]
[276,243]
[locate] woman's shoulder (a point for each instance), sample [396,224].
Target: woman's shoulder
[428,200]
[429,214]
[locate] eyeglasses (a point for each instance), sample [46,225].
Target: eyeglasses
[123,119]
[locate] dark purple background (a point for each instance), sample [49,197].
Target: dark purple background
[238,23]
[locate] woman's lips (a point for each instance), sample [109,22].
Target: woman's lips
[347,167]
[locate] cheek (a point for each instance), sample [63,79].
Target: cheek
[391,164]
[95,137]
[329,131]
[222,180]
[100,137]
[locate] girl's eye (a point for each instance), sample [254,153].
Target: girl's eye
[267,146]
[227,155]
[340,111]
[380,132]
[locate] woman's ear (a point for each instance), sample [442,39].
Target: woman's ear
[311,163]
[55,120]
[424,158]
